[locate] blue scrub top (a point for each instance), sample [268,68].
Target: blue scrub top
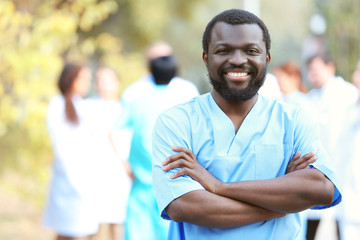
[272,128]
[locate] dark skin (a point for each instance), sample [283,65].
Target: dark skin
[234,204]
[212,208]
[235,51]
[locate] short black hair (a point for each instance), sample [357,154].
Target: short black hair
[234,17]
[163,69]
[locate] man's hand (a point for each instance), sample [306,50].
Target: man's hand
[188,164]
[298,162]
[185,159]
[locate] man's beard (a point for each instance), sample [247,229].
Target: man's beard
[238,95]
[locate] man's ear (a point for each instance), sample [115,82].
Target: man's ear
[205,58]
[268,58]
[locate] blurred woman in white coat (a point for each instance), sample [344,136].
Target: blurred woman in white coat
[114,183]
[70,208]
[350,141]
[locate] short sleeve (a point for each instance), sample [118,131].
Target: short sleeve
[171,129]
[307,140]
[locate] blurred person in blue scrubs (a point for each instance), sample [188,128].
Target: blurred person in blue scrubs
[223,162]
[139,115]
[144,84]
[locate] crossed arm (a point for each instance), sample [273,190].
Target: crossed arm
[234,204]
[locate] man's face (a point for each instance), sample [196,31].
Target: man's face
[319,73]
[236,60]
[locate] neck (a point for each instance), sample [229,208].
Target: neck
[235,110]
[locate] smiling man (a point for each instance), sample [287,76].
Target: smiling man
[225,164]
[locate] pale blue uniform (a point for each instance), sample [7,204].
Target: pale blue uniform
[270,135]
[143,220]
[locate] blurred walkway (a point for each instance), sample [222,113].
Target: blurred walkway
[20,220]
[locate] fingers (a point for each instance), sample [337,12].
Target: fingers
[306,163]
[183,159]
[298,162]
[175,157]
[297,156]
[181,172]
[291,166]
[178,163]
[182,149]
[304,158]
[183,153]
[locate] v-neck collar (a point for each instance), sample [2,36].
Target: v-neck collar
[224,128]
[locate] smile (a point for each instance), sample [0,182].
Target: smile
[237,74]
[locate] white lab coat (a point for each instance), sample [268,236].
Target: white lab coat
[349,142]
[329,105]
[71,209]
[113,181]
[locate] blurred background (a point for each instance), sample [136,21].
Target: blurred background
[37,35]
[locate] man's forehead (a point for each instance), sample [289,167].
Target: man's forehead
[224,32]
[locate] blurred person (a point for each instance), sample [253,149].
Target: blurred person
[293,91]
[221,160]
[107,84]
[291,84]
[143,220]
[271,87]
[349,144]
[145,83]
[114,183]
[71,208]
[330,98]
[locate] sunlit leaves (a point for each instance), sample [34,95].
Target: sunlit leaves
[35,38]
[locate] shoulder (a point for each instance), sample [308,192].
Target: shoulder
[289,113]
[345,90]
[340,84]
[277,104]
[185,112]
[138,88]
[181,110]
[56,101]
[181,83]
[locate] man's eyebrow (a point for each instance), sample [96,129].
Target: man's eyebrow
[253,45]
[222,45]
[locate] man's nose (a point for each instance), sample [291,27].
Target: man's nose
[238,58]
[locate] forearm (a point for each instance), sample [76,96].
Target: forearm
[292,192]
[210,210]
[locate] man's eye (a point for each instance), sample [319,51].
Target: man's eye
[222,51]
[252,51]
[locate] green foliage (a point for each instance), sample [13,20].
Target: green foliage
[36,37]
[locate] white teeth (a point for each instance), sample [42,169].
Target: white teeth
[237,74]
